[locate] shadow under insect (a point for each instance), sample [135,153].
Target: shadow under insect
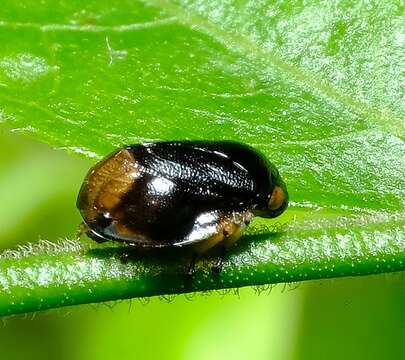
[179,260]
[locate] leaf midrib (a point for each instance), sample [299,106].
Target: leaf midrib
[367,222]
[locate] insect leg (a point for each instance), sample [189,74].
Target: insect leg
[81,230]
[191,266]
[232,229]
[217,267]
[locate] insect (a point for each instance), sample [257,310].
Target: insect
[181,193]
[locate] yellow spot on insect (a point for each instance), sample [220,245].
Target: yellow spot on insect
[109,200]
[108,182]
[277,198]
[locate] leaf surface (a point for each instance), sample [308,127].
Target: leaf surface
[314,85]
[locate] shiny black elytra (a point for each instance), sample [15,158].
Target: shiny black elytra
[173,194]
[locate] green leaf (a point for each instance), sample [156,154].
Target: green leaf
[315,85]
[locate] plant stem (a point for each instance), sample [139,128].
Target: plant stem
[45,275]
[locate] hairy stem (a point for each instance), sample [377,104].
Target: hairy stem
[47,275]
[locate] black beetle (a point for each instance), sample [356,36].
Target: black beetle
[173,194]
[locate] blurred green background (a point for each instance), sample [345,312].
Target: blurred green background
[354,318]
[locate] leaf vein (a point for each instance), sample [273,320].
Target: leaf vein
[89,27]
